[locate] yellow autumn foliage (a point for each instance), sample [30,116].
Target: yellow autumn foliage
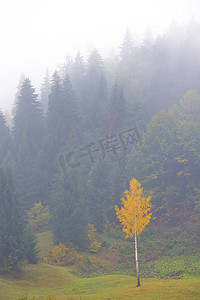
[135,211]
[62,256]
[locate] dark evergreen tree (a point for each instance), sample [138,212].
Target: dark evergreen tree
[30,246]
[44,94]
[5,139]
[102,100]
[95,68]
[57,116]
[28,121]
[19,87]
[11,224]
[72,114]
[62,123]
[99,188]
[77,75]
[118,109]
[44,169]
[98,110]
[69,210]
[24,172]
[129,73]
[127,48]
[161,76]
[28,134]
[93,96]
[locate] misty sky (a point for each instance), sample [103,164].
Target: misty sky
[39,34]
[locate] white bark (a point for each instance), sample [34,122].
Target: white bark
[136,259]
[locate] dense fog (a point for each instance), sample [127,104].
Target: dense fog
[107,142]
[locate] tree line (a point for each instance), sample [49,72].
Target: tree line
[153,87]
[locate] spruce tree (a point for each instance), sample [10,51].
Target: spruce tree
[93,96]
[11,224]
[117,109]
[99,193]
[28,121]
[44,94]
[28,133]
[127,48]
[30,246]
[78,74]
[69,210]
[5,140]
[95,68]
[72,114]
[57,114]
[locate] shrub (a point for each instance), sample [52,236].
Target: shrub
[62,256]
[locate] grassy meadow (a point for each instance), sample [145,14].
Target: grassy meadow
[43,281]
[90,278]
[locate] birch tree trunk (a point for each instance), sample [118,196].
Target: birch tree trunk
[136,260]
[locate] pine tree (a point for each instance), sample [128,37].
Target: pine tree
[69,210]
[28,121]
[5,139]
[147,48]
[95,68]
[28,133]
[129,73]
[17,94]
[78,74]
[72,114]
[44,169]
[127,48]
[58,112]
[57,134]
[11,224]
[100,193]
[101,106]
[95,89]
[30,246]
[44,94]
[117,109]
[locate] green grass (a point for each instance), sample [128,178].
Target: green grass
[47,282]
[35,280]
[42,280]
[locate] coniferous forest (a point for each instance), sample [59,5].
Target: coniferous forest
[68,153]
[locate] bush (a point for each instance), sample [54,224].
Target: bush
[62,256]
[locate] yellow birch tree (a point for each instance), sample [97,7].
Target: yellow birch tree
[134,214]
